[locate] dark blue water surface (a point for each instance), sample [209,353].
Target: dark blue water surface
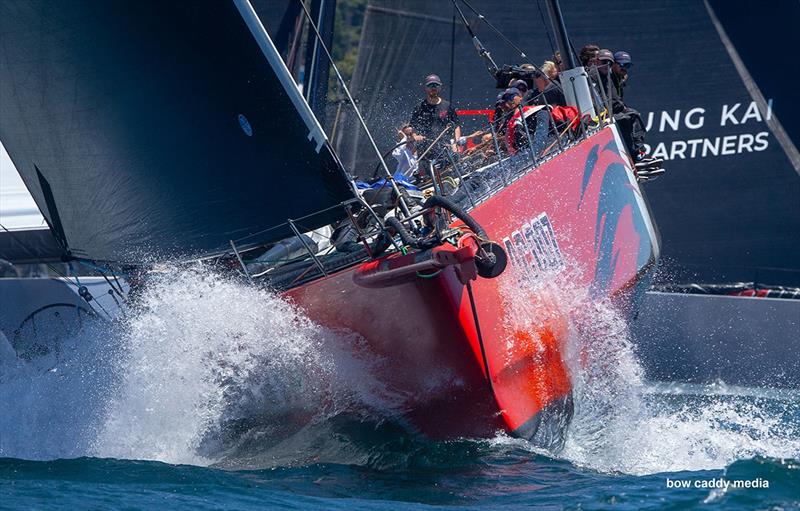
[387,468]
[471,477]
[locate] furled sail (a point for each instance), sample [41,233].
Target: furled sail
[708,80]
[152,130]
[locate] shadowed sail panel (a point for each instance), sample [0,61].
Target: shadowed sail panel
[153,130]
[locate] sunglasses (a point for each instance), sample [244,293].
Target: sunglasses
[626,66]
[433,85]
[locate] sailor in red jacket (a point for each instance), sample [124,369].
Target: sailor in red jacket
[536,117]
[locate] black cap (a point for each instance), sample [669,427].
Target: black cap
[605,55]
[522,85]
[433,79]
[622,58]
[510,93]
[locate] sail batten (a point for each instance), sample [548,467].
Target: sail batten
[162,132]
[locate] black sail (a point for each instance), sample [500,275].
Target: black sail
[729,206]
[149,130]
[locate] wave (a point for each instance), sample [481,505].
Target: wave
[201,370]
[206,370]
[622,423]
[452,475]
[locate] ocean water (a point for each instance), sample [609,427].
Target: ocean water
[216,395]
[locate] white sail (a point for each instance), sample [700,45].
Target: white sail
[18,211]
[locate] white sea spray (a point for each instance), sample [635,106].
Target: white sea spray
[208,368]
[624,424]
[179,376]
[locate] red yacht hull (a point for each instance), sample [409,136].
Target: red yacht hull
[582,210]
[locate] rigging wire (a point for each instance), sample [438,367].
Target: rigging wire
[84,293]
[55,270]
[346,89]
[549,39]
[118,291]
[100,270]
[516,48]
[481,17]
[482,51]
[453,56]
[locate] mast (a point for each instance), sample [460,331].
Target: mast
[560,32]
[574,81]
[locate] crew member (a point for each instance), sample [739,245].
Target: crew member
[619,70]
[520,85]
[537,119]
[406,152]
[551,69]
[560,66]
[526,91]
[497,116]
[588,55]
[433,115]
[549,92]
[604,80]
[632,127]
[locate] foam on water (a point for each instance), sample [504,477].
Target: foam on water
[210,370]
[53,412]
[622,424]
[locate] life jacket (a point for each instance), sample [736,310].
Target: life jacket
[565,116]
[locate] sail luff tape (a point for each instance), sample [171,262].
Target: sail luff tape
[315,131]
